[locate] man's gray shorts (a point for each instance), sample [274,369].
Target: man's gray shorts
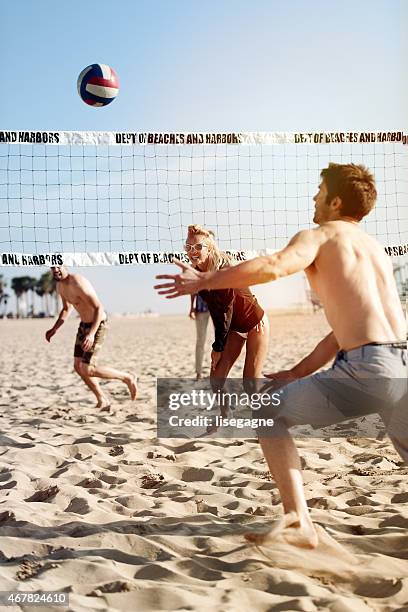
[366,380]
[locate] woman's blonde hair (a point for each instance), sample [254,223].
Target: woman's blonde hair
[218,259]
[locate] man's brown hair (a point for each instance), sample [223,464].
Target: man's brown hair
[354,185]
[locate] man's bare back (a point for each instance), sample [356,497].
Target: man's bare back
[353,277]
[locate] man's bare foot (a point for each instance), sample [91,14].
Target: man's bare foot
[291,529]
[130,381]
[103,404]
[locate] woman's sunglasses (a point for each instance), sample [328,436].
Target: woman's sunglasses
[195,247]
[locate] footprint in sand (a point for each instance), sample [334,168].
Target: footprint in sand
[111,587]
[91,483]
[30,568]
[377,587]
[7,515]
[43,495]
[78,505]
[197,475]
[116,450]
[150,481]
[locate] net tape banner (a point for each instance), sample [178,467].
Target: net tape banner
[125,258]
[199,138]
[128,258]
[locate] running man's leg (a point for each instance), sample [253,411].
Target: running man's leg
[79,354]
[89,370]
[92,384]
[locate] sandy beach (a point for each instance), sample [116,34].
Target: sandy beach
[94,504]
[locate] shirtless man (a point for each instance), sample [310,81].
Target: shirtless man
[77,292]
[353,278]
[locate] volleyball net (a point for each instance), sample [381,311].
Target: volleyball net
[117,198]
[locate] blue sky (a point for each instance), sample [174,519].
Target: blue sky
[210,66]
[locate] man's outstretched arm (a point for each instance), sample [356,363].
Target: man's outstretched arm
[300,253]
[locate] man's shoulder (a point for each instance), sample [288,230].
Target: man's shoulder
[346,230]
[341,225]
[340,234]
[314,235]
[331,229]
[77,279]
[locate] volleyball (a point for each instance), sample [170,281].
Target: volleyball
[98,85]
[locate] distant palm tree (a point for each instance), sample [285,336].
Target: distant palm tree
[46,287]
[3,295]
[18,286]
[22,285]
[30,285]
[40,291]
